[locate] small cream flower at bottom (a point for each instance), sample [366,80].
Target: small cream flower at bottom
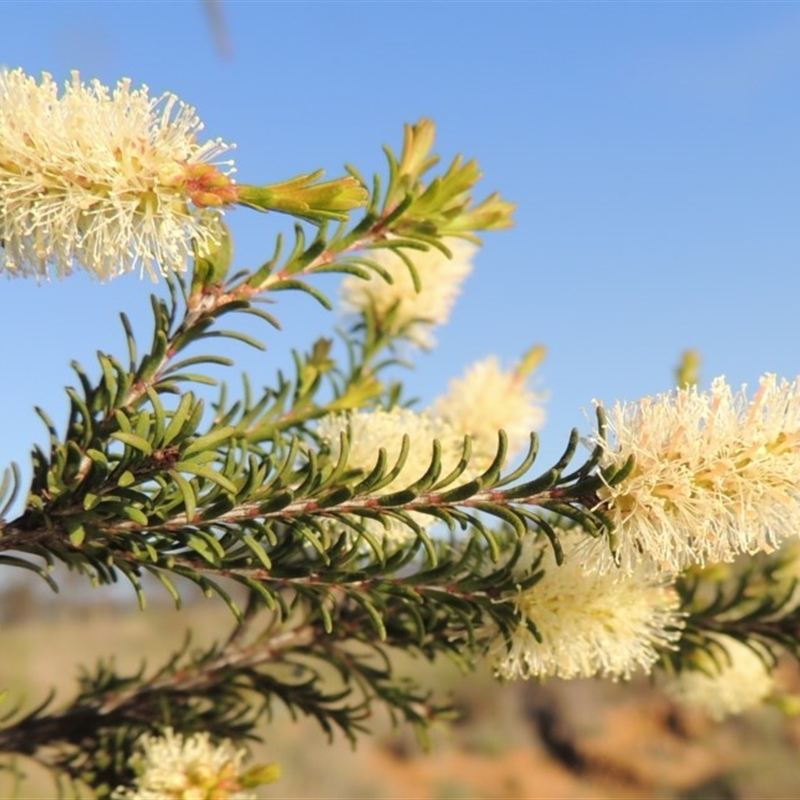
[174,767]
[589,623]
[737,682]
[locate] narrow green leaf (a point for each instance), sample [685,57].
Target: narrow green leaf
[258,550]
[109,378]
[133,578]
[152,553]
[126,479]
[492,473]
[335,498]
[237,336]
[263,592]
[372,613]
[533,487]
[210,440]
[527,463]
[97,457]
[187,493]
[122,421]
[9,485]
[327,621]
[276,503]
[152,361]
[202,471]
[460,493]
[203,359]
[569,452]
[77,534]
[202,546]
[14,561]
[504,513]
[396,498]
[179,417]
[168,585]
[296,285]
[134,515]
[130,338]
[133,440]
[159,417]
[143,426]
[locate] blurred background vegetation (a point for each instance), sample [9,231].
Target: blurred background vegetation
[578,739]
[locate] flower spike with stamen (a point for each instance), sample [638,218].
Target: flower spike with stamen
[734,680]
[110,180]
[588,623]
[487,399]
[369,431]
[398,307]
[714,474]
[177,767]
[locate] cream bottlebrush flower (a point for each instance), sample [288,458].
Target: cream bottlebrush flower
[738,681]
[715,474]
[110,180]
[174,767]
[486,399]
[415,313]
[590,623]
[371,430]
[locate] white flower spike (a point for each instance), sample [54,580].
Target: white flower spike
[589,623]
[174,767]
[112,181]
[486,399]
[738,681]
[415,313]
[372,430]
[715,474]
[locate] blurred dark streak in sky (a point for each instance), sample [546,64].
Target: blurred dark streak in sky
[219,30]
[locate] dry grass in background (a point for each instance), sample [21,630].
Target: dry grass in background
[583,739]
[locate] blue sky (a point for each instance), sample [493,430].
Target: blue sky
[652,149]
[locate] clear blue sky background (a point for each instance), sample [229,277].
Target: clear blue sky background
[652,149]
